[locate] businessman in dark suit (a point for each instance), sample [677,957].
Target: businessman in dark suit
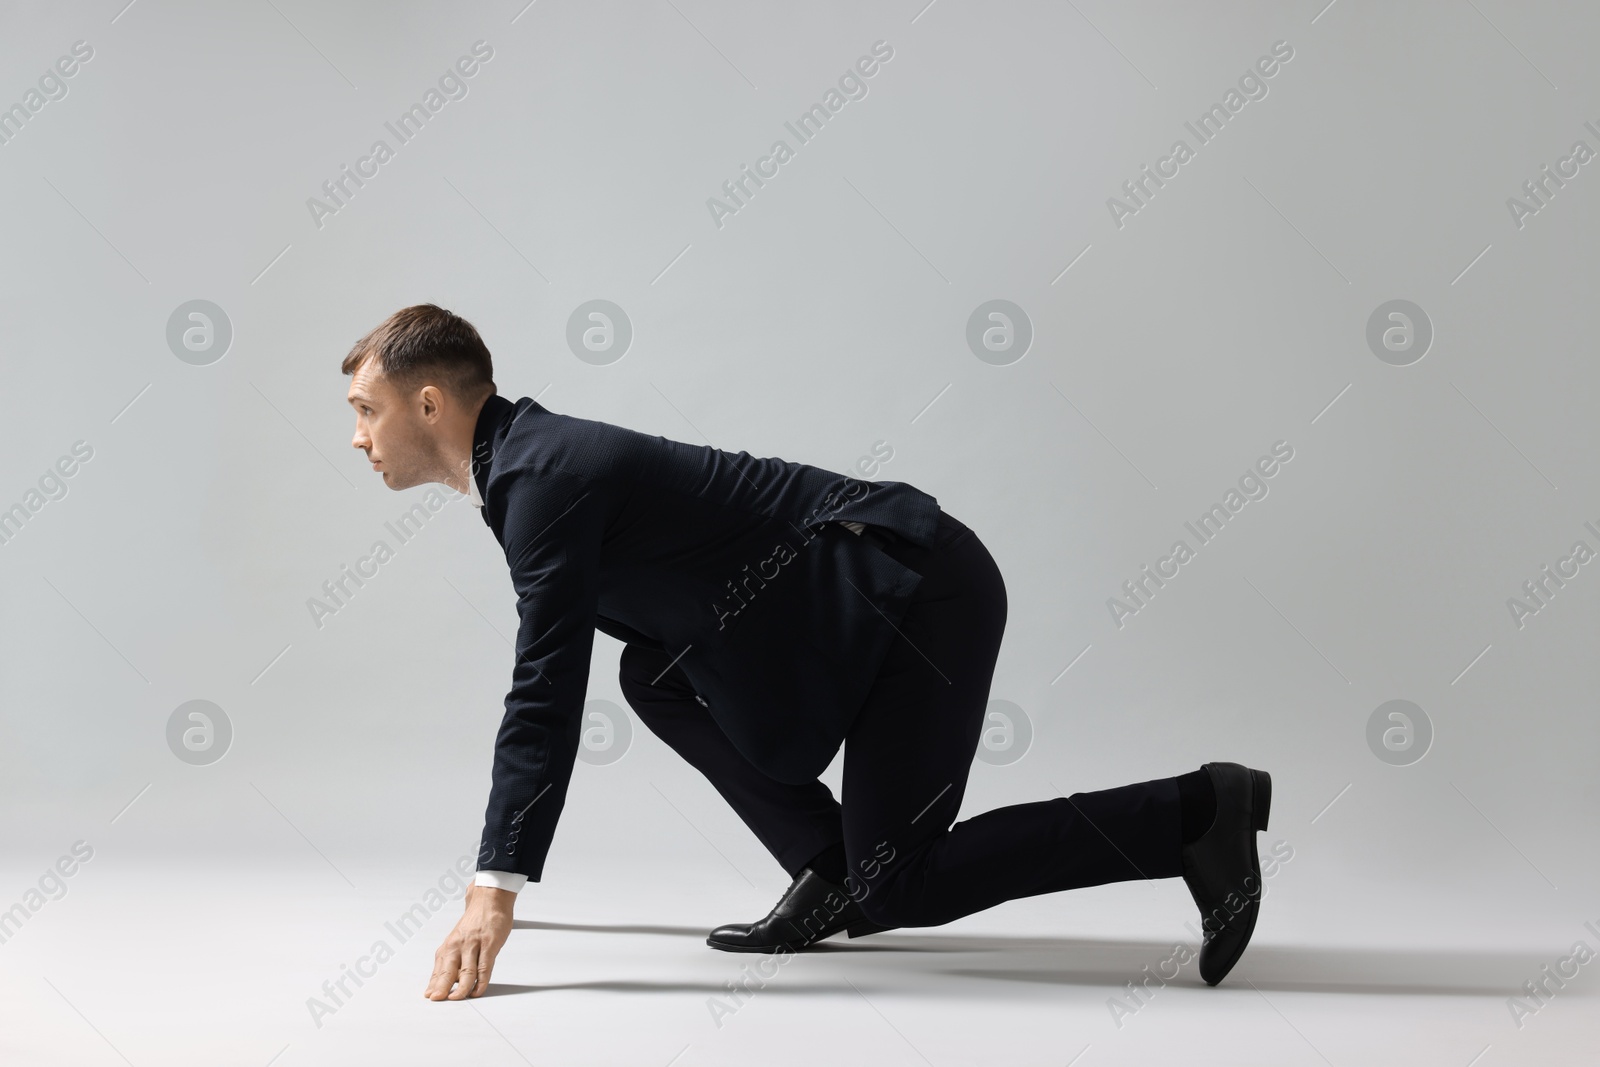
[771,612]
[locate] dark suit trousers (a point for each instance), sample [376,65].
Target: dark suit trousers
[906,760]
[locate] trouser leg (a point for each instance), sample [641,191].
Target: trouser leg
[909,751]
[793,822]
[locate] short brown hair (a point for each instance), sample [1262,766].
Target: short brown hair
[425,342]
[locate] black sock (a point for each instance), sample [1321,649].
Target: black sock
[829,863]
[1198,798]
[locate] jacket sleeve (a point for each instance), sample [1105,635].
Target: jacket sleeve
[552,532]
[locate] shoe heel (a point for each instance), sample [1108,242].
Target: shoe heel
[1260,799]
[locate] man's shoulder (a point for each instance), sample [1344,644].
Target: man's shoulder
[533,436]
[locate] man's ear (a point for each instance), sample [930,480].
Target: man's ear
[432,403]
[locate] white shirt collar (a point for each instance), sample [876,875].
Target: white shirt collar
[472,489]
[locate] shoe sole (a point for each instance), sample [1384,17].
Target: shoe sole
[723,946]
[1260,810]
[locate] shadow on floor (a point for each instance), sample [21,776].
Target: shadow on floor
[1079,962]
[696,932]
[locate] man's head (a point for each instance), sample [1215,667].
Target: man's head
[417,384]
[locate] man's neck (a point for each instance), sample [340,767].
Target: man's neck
[458,452]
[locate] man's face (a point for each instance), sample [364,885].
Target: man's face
[391,430]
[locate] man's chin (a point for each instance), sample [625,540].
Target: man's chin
[397,482]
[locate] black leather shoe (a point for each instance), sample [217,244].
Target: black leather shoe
[1223,870]
[812,908]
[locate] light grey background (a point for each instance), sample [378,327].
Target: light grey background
[830,313]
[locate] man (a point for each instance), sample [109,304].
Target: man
[771,612]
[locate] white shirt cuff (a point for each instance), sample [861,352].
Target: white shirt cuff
[501,880]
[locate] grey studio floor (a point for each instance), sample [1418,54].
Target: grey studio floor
[177,962]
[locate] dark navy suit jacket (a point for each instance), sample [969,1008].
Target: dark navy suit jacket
[731,564]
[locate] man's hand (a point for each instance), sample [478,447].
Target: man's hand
[466,958]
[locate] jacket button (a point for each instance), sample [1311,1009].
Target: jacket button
[702,700]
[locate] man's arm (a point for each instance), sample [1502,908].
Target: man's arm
[552,537]
[552,531]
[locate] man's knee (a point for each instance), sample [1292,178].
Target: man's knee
[881,899]
[886,909]
[884,881]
